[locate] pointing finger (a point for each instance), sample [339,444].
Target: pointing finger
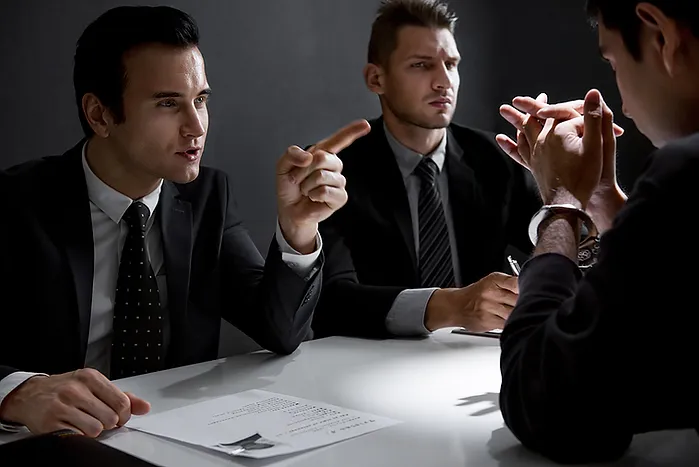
[344,137]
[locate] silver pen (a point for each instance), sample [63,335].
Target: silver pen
[514,265]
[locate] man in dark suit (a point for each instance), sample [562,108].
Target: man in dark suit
[432,205]
[122,255]
[586,362]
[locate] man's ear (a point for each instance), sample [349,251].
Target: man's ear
[97,115]
[666,35]
[374,78]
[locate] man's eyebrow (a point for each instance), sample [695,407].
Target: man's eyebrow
[454,58]
[166,94]
[162,95]
[420,57]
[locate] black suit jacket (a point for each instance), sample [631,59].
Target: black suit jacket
[587,362]
[369,244]
[213,270]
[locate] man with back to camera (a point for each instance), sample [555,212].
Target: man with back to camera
[432,204]
[585,365]
[120,257]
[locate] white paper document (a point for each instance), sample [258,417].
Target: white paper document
[260,424]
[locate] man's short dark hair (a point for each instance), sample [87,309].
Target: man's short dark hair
[392,15]
[621,15]
[99,56]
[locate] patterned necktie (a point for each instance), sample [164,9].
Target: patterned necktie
[137,343]
[435,261]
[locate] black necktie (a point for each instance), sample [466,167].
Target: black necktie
[137,344]
[434,263]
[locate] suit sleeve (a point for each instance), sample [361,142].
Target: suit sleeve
[266,300]
[583,365]
[347,307]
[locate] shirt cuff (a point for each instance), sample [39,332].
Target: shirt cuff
[9,384]
[407,315]
[303,265]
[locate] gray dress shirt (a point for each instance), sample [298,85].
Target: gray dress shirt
[407,314]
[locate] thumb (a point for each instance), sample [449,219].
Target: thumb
[138,405]
[592,115]
[292,158]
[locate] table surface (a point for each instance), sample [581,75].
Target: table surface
[443,388]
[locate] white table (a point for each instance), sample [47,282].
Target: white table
[444,388]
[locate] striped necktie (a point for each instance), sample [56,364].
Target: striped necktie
[435,261]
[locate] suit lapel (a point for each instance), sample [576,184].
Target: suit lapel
[72,225]
[176,226]
[389,187]
[462,183]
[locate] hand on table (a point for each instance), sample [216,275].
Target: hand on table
[482,306]
[84,401]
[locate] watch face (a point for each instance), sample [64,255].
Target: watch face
[584,255]
[587,253]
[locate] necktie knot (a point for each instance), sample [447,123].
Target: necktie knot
[427,170]
[136,216]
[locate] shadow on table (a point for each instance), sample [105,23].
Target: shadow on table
[468,342]
[233,375]
[492,399]
[665,448]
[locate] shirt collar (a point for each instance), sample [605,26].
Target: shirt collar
[110,201]
[408,159]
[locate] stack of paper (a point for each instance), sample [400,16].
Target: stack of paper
[260,424]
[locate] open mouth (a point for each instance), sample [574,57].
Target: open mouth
[191,154]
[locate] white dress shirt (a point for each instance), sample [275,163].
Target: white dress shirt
[107,206]
[407,314]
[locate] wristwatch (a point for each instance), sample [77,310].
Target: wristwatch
[587,253]
[588,246]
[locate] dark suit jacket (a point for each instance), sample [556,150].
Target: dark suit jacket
[213,270]
[369,244]
[587,362]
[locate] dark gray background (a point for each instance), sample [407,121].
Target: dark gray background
[290,72]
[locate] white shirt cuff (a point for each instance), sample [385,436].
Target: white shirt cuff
[407,314]
[303,265]
[9,384]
